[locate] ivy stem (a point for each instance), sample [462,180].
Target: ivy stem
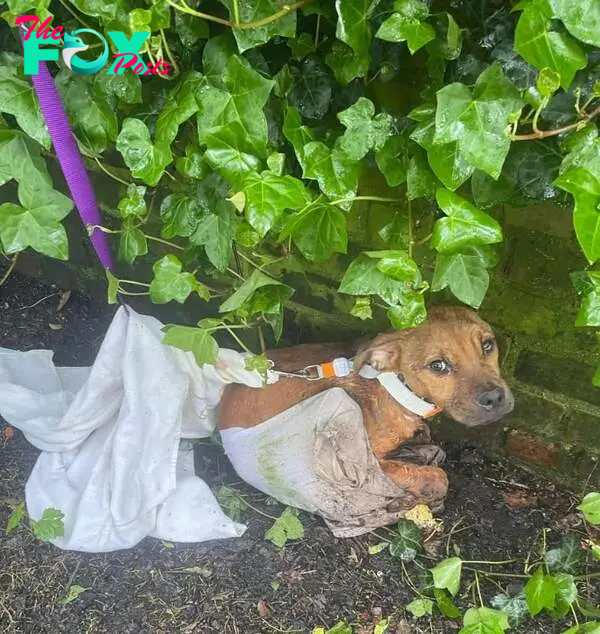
[240,342]
[537,114]
[543,134]
[261,339]
[130,294]
[10,269]
[587,103]
[491,563]
[77,17]
[317,29]
[499,574]
[134,283]
[478,589]
[235,274]
[236,12]
[115,178]
[285,9]
[378,199]
[169,53]
[259,511]
[165,242]
[410,228]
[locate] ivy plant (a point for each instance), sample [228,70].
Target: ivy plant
[248,162]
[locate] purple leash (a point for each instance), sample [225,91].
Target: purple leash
[70,160]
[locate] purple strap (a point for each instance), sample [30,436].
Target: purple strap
[70,160]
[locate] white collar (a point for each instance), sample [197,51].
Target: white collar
[400,392]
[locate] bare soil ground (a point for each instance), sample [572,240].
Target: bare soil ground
[495,511]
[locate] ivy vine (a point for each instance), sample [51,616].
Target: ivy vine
[247,161]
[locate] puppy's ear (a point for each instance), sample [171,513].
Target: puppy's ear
[383,352]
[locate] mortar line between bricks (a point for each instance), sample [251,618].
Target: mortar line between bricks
[568,402]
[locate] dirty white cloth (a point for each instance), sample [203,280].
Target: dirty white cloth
[316,456]
[110,437]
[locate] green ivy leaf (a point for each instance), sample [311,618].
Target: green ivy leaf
[268,195]
[478,122]
[364,130]
[232,502]
[94,119]
[133,203]
[465,225]
[20,159]
[312,89]
[133,243]
[395,234]
[255,11]
[589,311]
[590,507]
[36,222]
[410,314]
[297,134]
[190,29]
[392,160]
[515,608]
[420,607]
[335,171]
[540,592]
[180,105]
[276,163]
[192,165]
[445,604]
[586,218]
[301,46]
[567,558]
[18,99]
[566,593]
[49,526]
[362,308]
[216,53]
[582,19]
[215,233]
[593,627]
[446,575]
[286,527]
[72,594]
[240,103]
[318,231]
[112,287]
[15,518]
[420,182]
[195,340]
[223,154]
[126,87]
[543,48]
[145,160]
[464,273]
[245,292]
[180,214]
[548,82]
[407,543]
[170,283]
[364,278]
[345,65]
[258,363]
[407,26]
[396,264]
[484,621]
[354,28]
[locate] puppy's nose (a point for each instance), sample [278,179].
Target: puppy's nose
[491,399]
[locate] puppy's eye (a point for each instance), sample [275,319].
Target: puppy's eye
[440,366]
[487,346]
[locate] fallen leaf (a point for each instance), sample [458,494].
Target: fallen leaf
[197,570]
[55,326]
[422,516]
[8,433]
[263,610]
[520,499]
[377,548]
[62,300]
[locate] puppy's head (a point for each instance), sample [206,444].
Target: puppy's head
[451,361]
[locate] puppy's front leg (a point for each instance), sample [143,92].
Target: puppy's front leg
[426,485]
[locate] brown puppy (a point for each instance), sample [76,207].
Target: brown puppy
[451,361]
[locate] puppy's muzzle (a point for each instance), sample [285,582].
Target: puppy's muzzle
[494,401]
